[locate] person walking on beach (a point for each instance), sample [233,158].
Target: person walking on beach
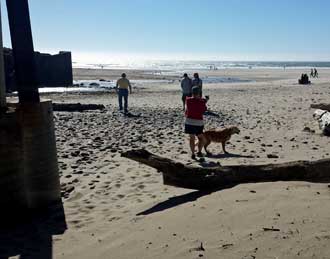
[194,123]
[186,85]
[316,74]
[312,72]
[198,82]
[122,87]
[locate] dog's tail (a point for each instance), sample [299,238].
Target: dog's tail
[212,129]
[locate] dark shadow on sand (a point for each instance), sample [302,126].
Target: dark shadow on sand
[211,113]
[29,234]
[132,115]
[178,200]
[210,164]
[228,155]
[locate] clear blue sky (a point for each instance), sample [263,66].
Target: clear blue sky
[232,29]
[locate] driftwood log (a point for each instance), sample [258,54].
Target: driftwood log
[321,106]
[180,175]
[76,107]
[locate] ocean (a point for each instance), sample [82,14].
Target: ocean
[176,68]
[180,66]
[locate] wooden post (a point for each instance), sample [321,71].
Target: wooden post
[34,161]
[23,51]
[2,73]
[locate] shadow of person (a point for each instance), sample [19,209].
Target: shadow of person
[210,113]
[228,155]
[29,234]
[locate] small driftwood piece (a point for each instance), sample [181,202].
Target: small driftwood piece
[321,106]
[185,176]
[76,107]
[271,229]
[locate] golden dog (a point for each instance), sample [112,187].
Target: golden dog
[219,136]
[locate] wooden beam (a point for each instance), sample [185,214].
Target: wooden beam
[321,106]
[180,175]
[76,107]
[2,73]
[23,51]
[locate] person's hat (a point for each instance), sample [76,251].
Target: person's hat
[195,90]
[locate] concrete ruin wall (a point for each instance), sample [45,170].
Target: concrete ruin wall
[52,70]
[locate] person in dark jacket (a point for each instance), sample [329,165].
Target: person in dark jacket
[186,85]
[198,82]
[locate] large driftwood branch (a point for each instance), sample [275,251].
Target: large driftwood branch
[76,107]
[180,175]
[321,106]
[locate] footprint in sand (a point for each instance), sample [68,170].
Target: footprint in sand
[141,186]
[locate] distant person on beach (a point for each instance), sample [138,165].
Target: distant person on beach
[198,82]
[194,123]
[316,74]
[186,85]
[312,72]
[122,87]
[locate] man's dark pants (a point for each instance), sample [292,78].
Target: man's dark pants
[123,93]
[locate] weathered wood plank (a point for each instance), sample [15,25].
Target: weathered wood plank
[77,107]
[321,106]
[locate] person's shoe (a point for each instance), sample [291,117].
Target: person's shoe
[208,154]
[193,157]
[200,154]
[201,160]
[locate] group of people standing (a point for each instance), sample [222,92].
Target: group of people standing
[187,84]
[123,88]
[194,106]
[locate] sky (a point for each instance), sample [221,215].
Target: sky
[98,30]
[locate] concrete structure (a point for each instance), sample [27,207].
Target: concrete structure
[54,70]
[51,70]
[12,187]
[28,165]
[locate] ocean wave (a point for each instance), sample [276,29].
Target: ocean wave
[179,66]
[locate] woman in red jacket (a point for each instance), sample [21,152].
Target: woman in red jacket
[194,124]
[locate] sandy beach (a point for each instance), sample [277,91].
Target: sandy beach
[117,208]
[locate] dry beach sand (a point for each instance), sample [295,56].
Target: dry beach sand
[117,208]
